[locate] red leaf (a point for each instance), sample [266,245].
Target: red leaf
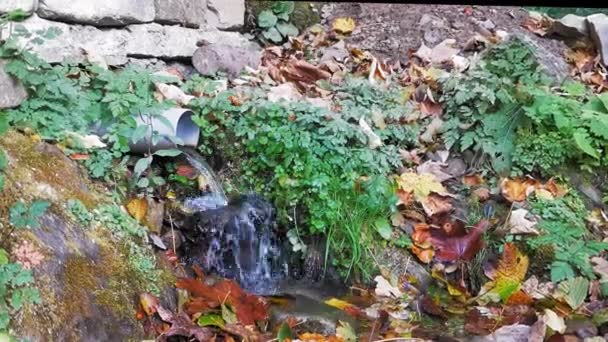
[248,308]
[79,156]
[450,249]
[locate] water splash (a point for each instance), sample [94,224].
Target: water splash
[235,240]
[214,197]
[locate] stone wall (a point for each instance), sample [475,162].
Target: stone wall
[123,31]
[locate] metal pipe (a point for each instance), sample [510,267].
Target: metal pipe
[181,127]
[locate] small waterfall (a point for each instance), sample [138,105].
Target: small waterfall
[214,197]
[235,240]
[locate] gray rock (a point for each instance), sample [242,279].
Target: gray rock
[101,13]
[12,92]
[11,5]
[571,26]
[598,29]
[119,46]
[225,14]
[190,13]
[553,64]
[400,262]
[213,57]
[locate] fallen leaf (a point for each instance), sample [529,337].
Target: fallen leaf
[79,156]
[149,303]
[510,273]
[385,289]
[429,108]
[286,91]
[173,93]
[482,193]
[425,255]
[536,289]
[435,204]
[346,332]
[573,291]
[432,130]
[511,333]
[518,223]
[211,320]
[436,169]
[373,140]
[553,321]
[344,25]
[137,208]
[450,249]
[472,180]
[600,267]
[518,189]
[420,185]
[186,171]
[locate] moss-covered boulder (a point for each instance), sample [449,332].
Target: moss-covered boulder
[88,286]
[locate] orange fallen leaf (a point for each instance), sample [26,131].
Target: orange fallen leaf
[472,180]
[555,189]
[149,303]
[482,193]
[518,189]
[435,204]
[424,255]
[137,208]
[509,275]
[79,156]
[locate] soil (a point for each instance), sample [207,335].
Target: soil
[390,30]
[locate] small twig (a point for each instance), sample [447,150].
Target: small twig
[172,233]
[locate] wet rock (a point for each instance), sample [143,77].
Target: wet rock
[119,46]
[598,28]
[28,6]
[12,92]
[400,262]
[213,57]
[336,52]
[108,13]
[154,215]
[226,14]
[570,26]
[190,13]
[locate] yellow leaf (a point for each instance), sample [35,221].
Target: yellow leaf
[137,208]
[420,184]
[344,25]
[510,273]
[337,303]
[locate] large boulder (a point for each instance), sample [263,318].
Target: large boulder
[570,26]
[89,290]
[598,28]
[225,14]
[12,92]
[118,46]
[190,13]
[11,5]
[213,57]
[98,13]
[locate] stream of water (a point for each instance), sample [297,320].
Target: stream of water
[237,238]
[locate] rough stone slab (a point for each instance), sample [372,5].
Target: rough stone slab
[190,13]
[98,13]
[226,14]
[117,45]
[11,5]
[571,26]
[12,92]
[553,64]
[598,29]
[213,57]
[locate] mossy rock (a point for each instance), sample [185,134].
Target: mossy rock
[88,288]
[305,14]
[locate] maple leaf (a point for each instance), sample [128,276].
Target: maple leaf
[510,273]
[464,248]
[421,186]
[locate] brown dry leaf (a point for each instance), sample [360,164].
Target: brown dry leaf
[137,208]
[149,303]
[404,197]
[483,194]
[472,180]
[424,255]
[429,108]
[435,204]
[344,25]
[555,189]
[581,58]
[538,23]
[422,235]
[434,168]
[410,156]
[518,189]
[600,267]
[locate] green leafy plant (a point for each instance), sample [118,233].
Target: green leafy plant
[308,160]
[22,216]
[563,227]
[275,23]
[15,289]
